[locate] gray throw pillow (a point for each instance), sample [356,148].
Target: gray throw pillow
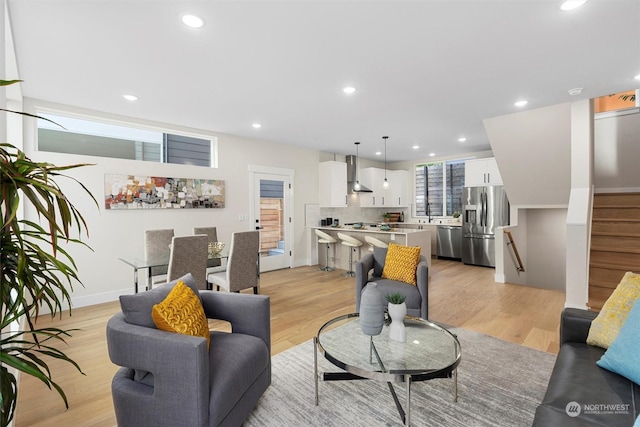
[137,307]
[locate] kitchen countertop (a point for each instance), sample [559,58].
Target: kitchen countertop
[433,224]
[372,230]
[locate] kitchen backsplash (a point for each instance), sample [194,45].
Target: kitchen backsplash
[352,214]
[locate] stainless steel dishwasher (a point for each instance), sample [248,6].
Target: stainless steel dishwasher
[449,241]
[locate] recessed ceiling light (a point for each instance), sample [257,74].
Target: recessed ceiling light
[521,103]
[349,90]
[572,4]
[637,77]
[378,153]
[415,147]
[575,91]
[192,21]
[130,97]
[462,139]
[432,154]
[256,125]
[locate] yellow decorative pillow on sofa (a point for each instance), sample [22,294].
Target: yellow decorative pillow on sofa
[605,327]
[181,312]
[401,263]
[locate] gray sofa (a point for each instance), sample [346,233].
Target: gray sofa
[369,269]
[171,379]
[577,378]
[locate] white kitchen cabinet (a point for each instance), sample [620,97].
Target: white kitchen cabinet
[397,195]
[398,188]
[481,172]
[333,184]
[373,179]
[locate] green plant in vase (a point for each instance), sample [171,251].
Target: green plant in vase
[396,298]
[397,312]
[37,270]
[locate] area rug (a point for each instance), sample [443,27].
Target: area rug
[499,384]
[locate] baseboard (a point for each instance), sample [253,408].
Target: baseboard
[500,278]
[617,190]
[100,298]
[88,300]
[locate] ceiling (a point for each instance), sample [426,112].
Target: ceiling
[426,72]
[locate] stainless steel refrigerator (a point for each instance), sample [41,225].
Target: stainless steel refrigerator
[484,208]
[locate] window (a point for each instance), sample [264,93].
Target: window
[439,187]
[616,102]
[93,138]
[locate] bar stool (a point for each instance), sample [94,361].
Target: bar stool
[329,240]
[373,242]
[352,243]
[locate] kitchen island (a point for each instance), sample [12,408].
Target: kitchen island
[401,236]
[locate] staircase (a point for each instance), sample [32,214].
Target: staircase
[615,243]
[278,250]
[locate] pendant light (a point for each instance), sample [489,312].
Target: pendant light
[385,184]
[356,186]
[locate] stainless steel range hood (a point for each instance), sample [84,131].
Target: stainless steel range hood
[352,167]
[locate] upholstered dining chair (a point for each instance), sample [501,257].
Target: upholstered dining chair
[189,255]
[243,270]
[212,233]
[157,246]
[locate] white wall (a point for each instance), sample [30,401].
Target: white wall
[580,202]
[533,151]
[617,153]
[116,234]
[542,155]
[540,237]
[546,248]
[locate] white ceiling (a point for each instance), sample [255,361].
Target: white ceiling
[426,72]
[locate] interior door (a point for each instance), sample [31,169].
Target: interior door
[271,216]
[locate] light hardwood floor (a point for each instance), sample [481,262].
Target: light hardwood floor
[302,300]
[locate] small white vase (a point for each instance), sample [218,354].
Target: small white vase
[397,312]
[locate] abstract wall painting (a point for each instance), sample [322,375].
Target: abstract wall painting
[126,192]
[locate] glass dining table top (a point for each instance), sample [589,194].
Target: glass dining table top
[142,263]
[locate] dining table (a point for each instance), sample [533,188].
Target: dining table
[141,263]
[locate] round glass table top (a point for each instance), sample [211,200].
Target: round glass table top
[430,351]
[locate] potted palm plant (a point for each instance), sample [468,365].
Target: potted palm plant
[37,271]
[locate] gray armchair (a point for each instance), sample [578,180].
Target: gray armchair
[369,269]
[171,379]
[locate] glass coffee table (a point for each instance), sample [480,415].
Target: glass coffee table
[429,352]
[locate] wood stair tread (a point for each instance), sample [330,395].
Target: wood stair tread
[616,206]
[613,249]
[615,220]
[615,266]
[611,225]
[614,234]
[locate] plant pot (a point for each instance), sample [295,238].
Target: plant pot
[397,312]
[371,310]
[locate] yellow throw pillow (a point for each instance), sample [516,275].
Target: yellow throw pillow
[181,312]
[401,263]
[605,327]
